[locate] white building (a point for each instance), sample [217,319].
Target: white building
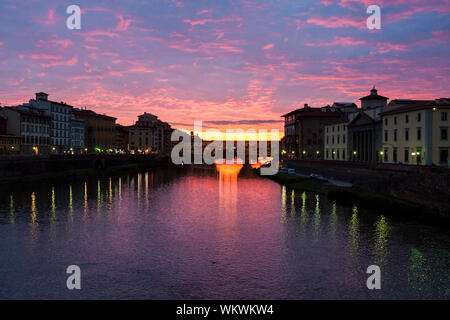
[336,134]
[60,113]
[76,135]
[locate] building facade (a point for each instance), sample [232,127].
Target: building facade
[336,135]
[122,138]
[76,135]
[304,131]
[140,139]
[9,144]
[364,130]
[336,141]
[150,135]
[364,138]
[99,130]
[60,114]
[33,127]
[416,132]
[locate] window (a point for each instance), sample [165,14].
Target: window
[419,134]
[385,135]
[386,155]
[444,133]
[419,117]
[338,139]
[406,155]
[385,121]
[444,116]
[343,154]
[395,120]
[343,138]
[443,155]
[395,135]
[406,134]
[394,155]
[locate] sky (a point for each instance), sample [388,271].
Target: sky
[231,64]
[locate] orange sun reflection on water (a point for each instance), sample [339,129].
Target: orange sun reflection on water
[229,170]
[228,189]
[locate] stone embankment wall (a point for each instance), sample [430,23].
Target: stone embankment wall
[19,166]
[429,186]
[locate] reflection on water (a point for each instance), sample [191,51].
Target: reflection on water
[353,233]
[228,188]
[205,234]
[381,242]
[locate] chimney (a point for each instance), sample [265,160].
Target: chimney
[41,96]
[306,106]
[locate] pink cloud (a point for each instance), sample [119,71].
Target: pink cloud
[50,17]
[123,23]
[90,47]
[327,2]
[100,33]
[62,43]
[268,46]
[232,18]
[205,11]
[338,41]
[70,62]
[42,56]
[338,22]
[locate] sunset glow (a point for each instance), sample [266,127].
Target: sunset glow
[239,65]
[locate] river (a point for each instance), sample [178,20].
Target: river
[199,234]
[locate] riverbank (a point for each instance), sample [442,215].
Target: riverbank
[425,185]
[369,200]
[75,173]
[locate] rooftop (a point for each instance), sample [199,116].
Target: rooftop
[91,113]
[374,95]
[406,105]
[311,112]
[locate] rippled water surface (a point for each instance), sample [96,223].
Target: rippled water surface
[168,234]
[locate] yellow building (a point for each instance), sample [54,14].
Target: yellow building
[149,134]
[336,141]
[140,139]
[99,130]
[416,132]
